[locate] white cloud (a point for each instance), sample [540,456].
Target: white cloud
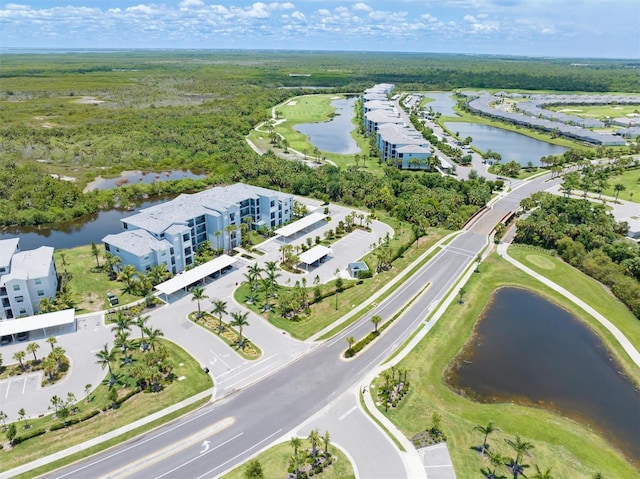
[191,3]
[469,18]
[428,18]
[362,7]
[298,16]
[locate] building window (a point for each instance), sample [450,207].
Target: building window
[41,292]
[19,299]
[107,247]
[23,311]
[16,287]
[273,203]
[125,226]
[185,237]
[146,257]
[232,217]
[38,281]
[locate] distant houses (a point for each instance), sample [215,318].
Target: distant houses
[26,278]
[170,233]
[533,113]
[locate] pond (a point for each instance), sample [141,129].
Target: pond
[529,351]
[512,146]
[442,103]
[78,232]
[136,176]
[334,135]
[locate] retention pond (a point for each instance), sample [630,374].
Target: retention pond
[529,351]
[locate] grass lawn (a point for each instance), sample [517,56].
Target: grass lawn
[275,462]
[597,111]
[324,312]
[229,335]
[138,406]
[89,285]
[631,180]
[571,449]
[316,109]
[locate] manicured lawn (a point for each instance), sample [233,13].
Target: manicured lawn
[589,290]
[89,285]
[596,111]
[138,406]
[275,462]
[631,180]
[316,109]
[570,448]
[324,312]
[229,335]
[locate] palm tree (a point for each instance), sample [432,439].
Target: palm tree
[217,234]
[122,341]
[618,188]
[19,356]
[351,340]
[32,348]
[295,443]
[141,322]
[153,336]
[219,308]
[326,439]
[47,306]
[486,430]
[491,473]
[253,275]
[314,439]
[376,320]
[546,474]
[127,276]
[106,357]
[197,293]
[49,366]
[94,252]
[230,229]
[122,322]
[52,340]
[520,447]
[239,321]
[158,274]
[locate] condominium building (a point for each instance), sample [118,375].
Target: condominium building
[170,233]
[26,277]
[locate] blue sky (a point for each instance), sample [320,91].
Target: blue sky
[558,28]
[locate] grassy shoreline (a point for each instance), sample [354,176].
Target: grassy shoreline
[572,449]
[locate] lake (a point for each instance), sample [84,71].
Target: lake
[442,103]
[529,351]
[78,232]
[511,145]
[334,135]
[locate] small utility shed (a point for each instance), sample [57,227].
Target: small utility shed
[356,267]
[189,277]
[314,256]
[41,322]
[292,229]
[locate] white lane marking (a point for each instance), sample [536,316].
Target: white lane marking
[215,357]
[199,456]
[144,462]
[24,385]
[347,413]
[8,387]
[238,455]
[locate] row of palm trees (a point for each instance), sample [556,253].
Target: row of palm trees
[239,319]
[315,440]
[516,464]
[51,364]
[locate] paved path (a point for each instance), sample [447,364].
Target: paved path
[617,334]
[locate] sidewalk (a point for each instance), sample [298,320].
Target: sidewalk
[617,334]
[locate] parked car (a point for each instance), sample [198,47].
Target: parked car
[6,340]
[23,336]
[113,299]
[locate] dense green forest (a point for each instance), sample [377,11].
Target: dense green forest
[79,115]
[586,236]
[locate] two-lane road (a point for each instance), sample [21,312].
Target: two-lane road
[279,403]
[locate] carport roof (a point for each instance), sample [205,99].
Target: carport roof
[39,321]
[301,224]
[314,254]
[196,274]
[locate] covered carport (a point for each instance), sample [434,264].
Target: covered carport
[51,324]
[290,231]
[187,278]
[314,256]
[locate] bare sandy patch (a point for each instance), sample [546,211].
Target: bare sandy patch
[292,103]
[88,100]
[335,98]
[564,110]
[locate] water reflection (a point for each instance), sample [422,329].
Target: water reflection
[334,136]
[528,350]
[511,146]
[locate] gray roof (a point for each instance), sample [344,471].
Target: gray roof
[214,201]
[378,116]
[7,248]
[30,264]
[138,242]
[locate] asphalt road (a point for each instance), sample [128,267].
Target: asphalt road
[192,447]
